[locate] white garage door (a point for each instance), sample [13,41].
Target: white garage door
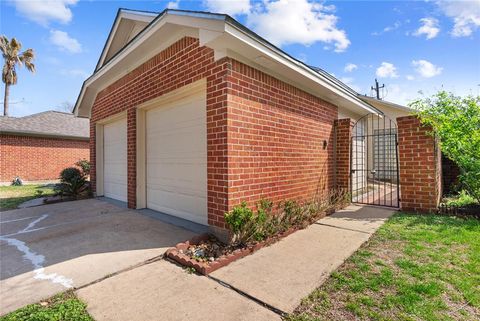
[176,157]
[115,160]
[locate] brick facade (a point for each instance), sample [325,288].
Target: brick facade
[181,64]
[265,138]
[344,129]
[280,139]
[38,158]
[420,166]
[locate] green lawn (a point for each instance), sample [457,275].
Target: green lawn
[12,196]
[62,307]
[414,268]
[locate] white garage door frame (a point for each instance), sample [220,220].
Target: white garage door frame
[182,94]
[100,150]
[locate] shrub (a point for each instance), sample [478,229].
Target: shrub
[84,165]
[17,181]
[248,225]
[72,183]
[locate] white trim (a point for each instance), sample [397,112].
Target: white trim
[180,93]
[123,14]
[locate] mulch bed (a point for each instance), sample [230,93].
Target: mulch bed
[205,253]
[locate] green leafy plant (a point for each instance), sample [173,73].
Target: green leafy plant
[17,181]
[73,183]
[84,165]
[462,199]
[247,225]
[456,121]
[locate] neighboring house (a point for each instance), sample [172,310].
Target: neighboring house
[192,113]
[37,147]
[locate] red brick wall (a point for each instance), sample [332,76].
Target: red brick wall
[276,135]
[38,158]
[343,142]
[420,166]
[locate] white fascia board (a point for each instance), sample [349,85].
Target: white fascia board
[145,34]
[280,57]
[123,14]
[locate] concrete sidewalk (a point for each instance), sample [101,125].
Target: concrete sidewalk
[164,291]
[279,275]
[284,273]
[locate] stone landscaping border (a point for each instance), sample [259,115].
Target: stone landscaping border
[205,268]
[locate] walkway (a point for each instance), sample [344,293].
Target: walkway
[261,286]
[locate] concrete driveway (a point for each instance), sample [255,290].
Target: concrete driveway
[48,249]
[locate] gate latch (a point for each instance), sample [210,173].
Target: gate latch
[373,171]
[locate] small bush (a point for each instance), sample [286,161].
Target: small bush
[84,165]
[73,183]
[248,225]
[462,199]
[17,181]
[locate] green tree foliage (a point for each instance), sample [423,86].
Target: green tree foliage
[456,120]
[13,56]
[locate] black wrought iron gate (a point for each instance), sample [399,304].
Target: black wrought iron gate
[374,177]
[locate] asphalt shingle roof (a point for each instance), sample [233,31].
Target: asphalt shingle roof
[49,123]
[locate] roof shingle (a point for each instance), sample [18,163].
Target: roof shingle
[49,123]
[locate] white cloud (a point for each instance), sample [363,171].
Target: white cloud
[393,27]
[465,14]
[173,4]
[232,7]
[426,69]
[74,73]
[410,77]
[350,67]
[387,70]
[44,11]
[429,28]
[286,22]
[62,40]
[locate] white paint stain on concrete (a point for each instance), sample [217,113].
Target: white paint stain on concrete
[36,259]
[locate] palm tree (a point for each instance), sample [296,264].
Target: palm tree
[12,56]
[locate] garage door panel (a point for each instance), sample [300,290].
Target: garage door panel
[115,160]
[176,155]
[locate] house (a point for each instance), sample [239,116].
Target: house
[192,113]
[37,147]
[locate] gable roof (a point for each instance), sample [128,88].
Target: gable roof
[227,37]
[50,123]
[383,103]
[127,24]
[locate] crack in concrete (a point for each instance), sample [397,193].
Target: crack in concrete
[343,228]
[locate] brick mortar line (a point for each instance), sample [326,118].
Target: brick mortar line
[343,228]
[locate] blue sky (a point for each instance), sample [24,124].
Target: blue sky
[410,46]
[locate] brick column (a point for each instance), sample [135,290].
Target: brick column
[132,157]
[420,166]
[342,152]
